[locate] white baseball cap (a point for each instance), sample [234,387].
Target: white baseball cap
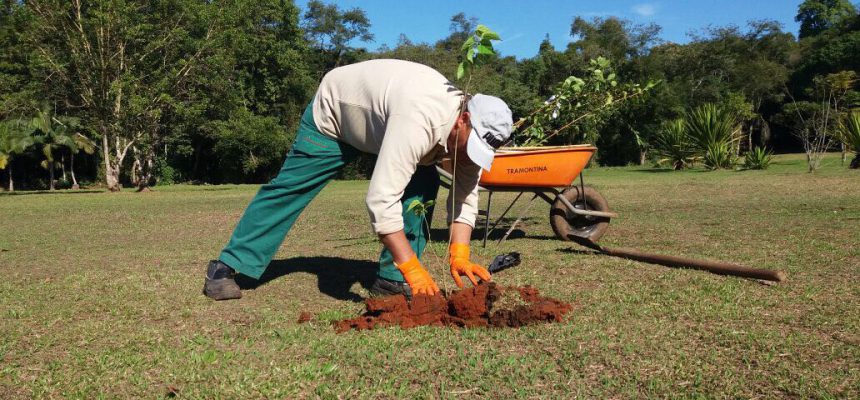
[492,121]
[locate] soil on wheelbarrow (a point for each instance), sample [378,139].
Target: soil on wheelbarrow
[485,305]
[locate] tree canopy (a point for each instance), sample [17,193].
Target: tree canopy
[189,91]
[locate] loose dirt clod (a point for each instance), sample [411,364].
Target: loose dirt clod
[305,316]
[484,305]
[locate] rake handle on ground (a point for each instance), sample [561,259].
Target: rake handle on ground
[717,267]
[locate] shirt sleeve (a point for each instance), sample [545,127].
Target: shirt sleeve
[463,205]
[405,142]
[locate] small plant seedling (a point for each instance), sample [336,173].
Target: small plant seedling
[421,209]
[477,50]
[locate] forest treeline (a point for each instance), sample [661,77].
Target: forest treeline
[135,93]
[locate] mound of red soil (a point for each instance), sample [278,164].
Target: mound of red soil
[484,305]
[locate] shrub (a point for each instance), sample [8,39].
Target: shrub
[673,145]
[719,156]
[758,158]
[713,131]
[164,173]
[850,136]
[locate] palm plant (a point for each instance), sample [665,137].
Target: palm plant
[758,158]
[850,136]
[52,135]
[673,145]
[78,143]
[13,140]
[46,134]
[714,132]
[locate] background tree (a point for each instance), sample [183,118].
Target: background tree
[51,135]
[14,139]
[182,90]
[258,74]
[816,16]
[331,30]
[121,65]
[17,86]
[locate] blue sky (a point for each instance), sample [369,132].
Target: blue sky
[523,24]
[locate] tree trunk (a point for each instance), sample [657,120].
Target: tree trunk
[75,185]
[738,145]
[11,183]
[145,172]
[50,175]
[643,156]
[750,139]
[63,165]
[135,170]
[111,172]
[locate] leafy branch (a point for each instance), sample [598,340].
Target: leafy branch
[592,98]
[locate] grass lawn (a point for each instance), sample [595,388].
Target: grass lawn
[101,296]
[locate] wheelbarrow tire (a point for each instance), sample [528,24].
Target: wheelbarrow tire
[565,222]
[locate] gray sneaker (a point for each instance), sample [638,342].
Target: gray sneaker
[387,287]
[221,282]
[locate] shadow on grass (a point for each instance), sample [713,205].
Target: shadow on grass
[29,192]
[665,170]
[577,249]
[441,235]
[335,275]
[653,170]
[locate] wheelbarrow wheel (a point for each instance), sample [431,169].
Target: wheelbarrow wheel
[564,222]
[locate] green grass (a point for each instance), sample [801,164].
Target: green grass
[100,296]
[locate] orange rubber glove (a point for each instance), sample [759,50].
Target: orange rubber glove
[417,277]
[460,265]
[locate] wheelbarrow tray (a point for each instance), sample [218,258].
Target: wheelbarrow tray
[551,166]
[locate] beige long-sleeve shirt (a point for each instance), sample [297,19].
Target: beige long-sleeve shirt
[404,112]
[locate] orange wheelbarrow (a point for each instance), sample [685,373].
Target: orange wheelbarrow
[547,173]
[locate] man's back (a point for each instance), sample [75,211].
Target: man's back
[355,103]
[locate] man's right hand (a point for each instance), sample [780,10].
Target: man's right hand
[418,278]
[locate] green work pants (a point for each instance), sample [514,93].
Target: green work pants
[312,162]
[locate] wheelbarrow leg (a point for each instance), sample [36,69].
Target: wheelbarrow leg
[499,220]
[520,218]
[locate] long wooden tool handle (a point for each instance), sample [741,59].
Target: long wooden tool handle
[716,267]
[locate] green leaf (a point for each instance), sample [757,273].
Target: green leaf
[492,36]
[413,204]
[461,70]
[4,160]
[485,50]
[468,44]
[470,55]
[484,32]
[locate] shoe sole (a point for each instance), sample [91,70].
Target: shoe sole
[222,289]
